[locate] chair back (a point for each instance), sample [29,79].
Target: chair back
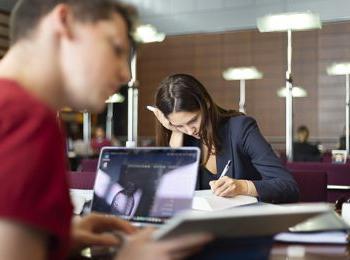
[88,165]
[81,180]
[312,185]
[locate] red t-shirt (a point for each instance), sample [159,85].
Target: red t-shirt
[33,180]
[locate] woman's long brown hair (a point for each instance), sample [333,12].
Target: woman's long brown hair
[184,93]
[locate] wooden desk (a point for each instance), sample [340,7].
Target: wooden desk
[290,251]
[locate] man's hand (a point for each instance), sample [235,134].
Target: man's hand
[142,246]
[92,230]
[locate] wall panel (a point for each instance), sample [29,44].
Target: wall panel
[207,55]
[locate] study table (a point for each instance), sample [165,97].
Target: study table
[284,251]
[292,251]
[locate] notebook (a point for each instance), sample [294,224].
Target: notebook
[206,200]
[145,185]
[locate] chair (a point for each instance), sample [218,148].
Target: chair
[308,166]
[327,157]
[312,185]
[88,165]
[337,175]
[283,157]
[81,180]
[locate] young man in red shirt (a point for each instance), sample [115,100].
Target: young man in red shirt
[63,53]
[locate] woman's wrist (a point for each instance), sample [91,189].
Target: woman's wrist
[251,190]
[176,139]
[247,187]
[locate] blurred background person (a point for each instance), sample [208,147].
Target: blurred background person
[99,140]
[303,150]
[342,141]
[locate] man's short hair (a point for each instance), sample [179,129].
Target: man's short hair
[302,128]
[26,14]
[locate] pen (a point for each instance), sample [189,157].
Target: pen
[225,170]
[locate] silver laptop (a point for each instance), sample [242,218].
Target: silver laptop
[145,185]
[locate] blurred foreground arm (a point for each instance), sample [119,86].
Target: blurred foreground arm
[142,246]
[95,230]
[19,242]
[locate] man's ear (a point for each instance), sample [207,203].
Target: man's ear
[64,20]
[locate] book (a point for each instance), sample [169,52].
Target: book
[206,200]
[250,221]
[331,237]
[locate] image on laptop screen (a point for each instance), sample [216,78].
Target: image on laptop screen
[145,184]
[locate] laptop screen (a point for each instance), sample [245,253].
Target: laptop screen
[145,184]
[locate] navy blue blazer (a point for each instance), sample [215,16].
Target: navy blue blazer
[252,159]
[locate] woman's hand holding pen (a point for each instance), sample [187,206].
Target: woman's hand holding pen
[228,187]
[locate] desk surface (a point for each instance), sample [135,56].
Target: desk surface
[309,251]
[283,251]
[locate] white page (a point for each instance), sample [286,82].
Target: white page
[79,197]
[336,237]
[207,201]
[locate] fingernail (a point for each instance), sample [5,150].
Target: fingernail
[150,108]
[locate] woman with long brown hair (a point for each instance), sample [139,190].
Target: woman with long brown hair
[188,116]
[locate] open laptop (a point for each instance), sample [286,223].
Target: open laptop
[145,185]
